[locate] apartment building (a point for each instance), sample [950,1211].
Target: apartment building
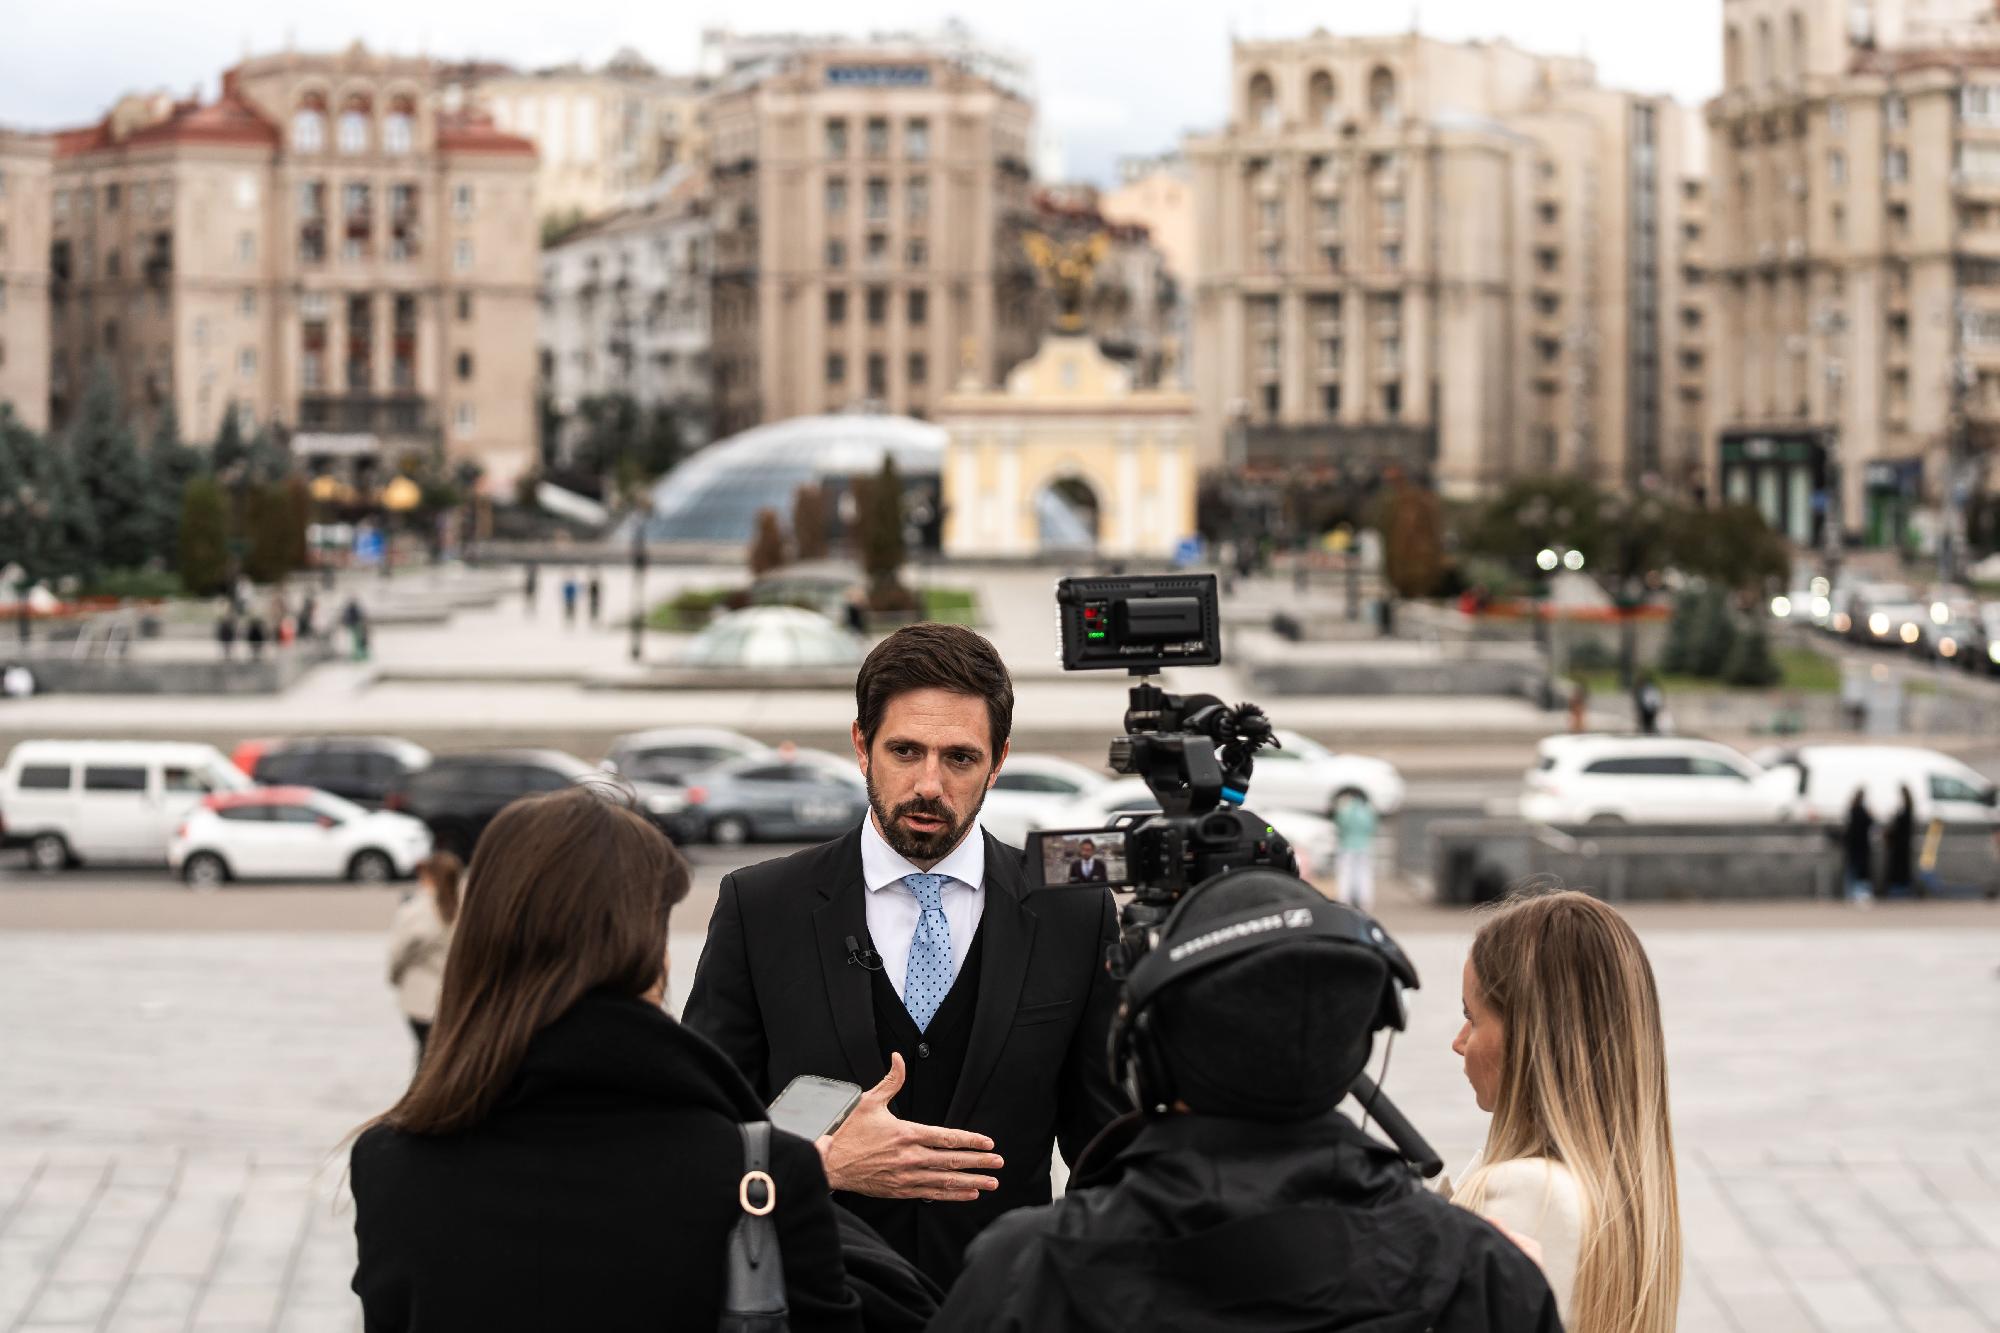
[25,161]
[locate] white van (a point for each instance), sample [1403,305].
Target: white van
[1825,778]
[70,802]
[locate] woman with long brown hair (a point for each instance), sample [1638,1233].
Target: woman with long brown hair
[1563,1045]
[567,1155]
[419,939]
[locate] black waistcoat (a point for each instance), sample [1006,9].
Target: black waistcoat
[932,1060]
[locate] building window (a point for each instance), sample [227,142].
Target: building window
[1836,118]
[1836,167]
[919,368]
[1546,260]
[461,256]
[353,130]
[465,305]
[1896,166]
[878,199]
[246,362]
[1329,214]
[878,137]
[836,138]
[308,130]
[1269,214]
[246,301]
[878,375]
[62,205]
[1392,211]
[1329,396]
[113,262]
[1270,256]
[1330,257]
[836,195]
[397,135]
[917,140]
[111,198]
[836,253]
[836,368]
[918,252]
[1392,401]
[246,247]
[465,365]
[465,420]
[1392,255]
[1895,112]
[919,306]
[878,249]
[836,306]
[1329,354]
[1382,97]
[878,306]
[461,202]
[1270,397]
[917,198]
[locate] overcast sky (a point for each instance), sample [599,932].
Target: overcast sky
[1114,76]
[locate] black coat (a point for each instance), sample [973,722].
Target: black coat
[1211,1225]
[1899,839]
[598,1195]
[1860,847]
[777,992]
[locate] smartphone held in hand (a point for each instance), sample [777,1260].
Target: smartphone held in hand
[811,1106]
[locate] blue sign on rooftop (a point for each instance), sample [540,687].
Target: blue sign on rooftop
[879,76]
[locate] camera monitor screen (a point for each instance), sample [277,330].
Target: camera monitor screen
[1139,622]
[1080,856]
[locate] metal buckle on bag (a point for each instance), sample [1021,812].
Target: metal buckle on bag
[770,1193]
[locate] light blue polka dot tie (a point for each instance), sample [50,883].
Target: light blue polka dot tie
[929,977]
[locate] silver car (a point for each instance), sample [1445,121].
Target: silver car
[802,797]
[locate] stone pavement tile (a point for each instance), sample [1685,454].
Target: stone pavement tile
[321,1318]
[1911,1286]
[89,1263]
[146,1324]
[221,1306]
[1984,1220]
[185,1243]
[1845,1303]
[73,1302]
[1767,1312]
[152,1296]
[1944,1321]
[31,1255]
[1961,1181]
[1700,1312]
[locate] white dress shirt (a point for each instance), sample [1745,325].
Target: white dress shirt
[893,909]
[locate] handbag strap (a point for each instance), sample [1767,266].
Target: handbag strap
[754,1296]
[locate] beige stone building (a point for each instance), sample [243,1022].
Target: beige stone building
[1157,194]
[1856,151]
[869,204]
[1068,456]
[322,247]
[604,135]
[1461,258]
[24,276]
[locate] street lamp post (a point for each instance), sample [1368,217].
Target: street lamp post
[1548,560]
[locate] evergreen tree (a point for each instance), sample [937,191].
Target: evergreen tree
[231,451]
[880,535]
[1677,657]
[767,547]
[174,463]
[204,537]
[1750,660]
[267,519]
[298,513]
[46,523]
[116,482]
[809,532]
[1715,635]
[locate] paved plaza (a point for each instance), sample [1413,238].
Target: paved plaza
[172,1105]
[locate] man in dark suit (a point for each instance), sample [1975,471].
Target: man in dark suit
[908,957]
[1086,869]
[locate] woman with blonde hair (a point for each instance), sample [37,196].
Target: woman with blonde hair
[419,939]
[1563,1045]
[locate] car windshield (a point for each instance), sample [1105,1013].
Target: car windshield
[224,776]
[326,803]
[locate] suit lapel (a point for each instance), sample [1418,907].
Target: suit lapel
[843,913]
[1009,928]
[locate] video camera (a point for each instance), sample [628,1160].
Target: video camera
[1196,755]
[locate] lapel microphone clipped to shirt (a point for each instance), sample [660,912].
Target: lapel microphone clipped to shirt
[860,957]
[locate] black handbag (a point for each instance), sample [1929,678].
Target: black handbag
[753,1298]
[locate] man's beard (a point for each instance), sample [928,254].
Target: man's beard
[906,842]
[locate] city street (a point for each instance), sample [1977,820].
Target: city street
[179,1071]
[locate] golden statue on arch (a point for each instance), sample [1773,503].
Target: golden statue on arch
[1070,267]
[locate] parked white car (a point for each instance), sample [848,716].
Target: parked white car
[99,802]
[1031,786]
[1597,779]
[1822,780]
[294,833]
[670,754]
[1312,837]
[1305,775]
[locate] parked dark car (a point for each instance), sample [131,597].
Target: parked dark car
[806,797]
[670,754]
[364,769]
[458,795]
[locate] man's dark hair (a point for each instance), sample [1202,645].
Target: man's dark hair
[1273,1035]
[935,657]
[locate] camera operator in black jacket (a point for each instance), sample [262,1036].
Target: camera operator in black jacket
[1241,1198]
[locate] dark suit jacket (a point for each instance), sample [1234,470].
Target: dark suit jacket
[776,992]
[1096,875]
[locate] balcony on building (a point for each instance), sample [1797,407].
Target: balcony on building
[158,265]
[397,415]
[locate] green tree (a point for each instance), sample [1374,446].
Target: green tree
[267,528]
[661,446]
[174,464]
[1677,656]
[204,537]
[1714,635]
[231,450]
[298,514]
[809,528]
[1750,661]
[767,545]
[116,483]
[46,523]
[1733,546]
[879,524]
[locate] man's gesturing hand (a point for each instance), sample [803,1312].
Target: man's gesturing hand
[875,1153]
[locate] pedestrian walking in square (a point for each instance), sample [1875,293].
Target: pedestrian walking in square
[569,600]
[1860,847]
[255,637]
[1355,819]
[1899,849]
[225,633]
[596,596]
